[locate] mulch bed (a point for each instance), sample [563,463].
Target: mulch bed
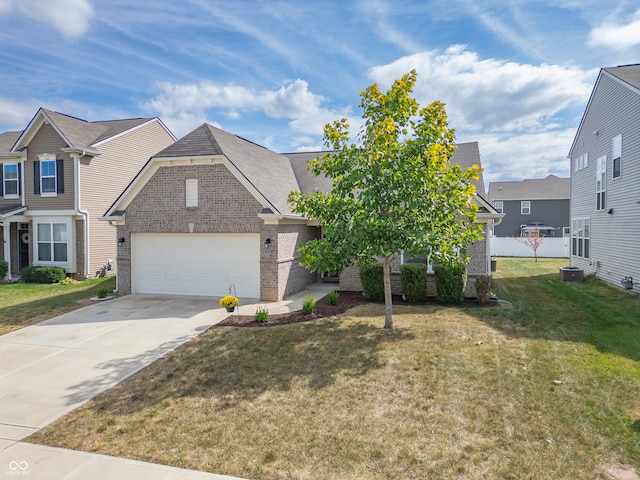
[347,301]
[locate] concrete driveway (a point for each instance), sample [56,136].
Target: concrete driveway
[51,368]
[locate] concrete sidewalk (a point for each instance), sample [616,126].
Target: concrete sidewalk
[51,368]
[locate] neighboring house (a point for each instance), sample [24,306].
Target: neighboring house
[209,216]
[605,175]
[540,205]
[57,177]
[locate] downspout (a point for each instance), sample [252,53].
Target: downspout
[493,224]
[84,213]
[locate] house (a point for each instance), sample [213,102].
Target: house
[540,205]
[57,178]
[605,175]
[209,216]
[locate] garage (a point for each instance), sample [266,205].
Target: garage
[195,264]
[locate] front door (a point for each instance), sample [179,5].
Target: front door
[23,242]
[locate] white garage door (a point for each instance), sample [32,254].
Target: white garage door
[195,264]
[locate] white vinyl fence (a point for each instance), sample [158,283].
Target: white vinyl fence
[557,247]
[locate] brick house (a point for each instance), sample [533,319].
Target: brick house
[57,177]
[209,215]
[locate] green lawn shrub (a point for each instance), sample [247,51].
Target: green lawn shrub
[451,280]
[308,304]
[414,282]
[372,279]
[262,315]
[4,269]
[332,297]
[39,274]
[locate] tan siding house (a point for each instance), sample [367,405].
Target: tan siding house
[70,171]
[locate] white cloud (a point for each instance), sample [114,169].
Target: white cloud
[69,17]
[616,35]
[526,155]
[5,6]
[491,94]
[15,115]
[182,103]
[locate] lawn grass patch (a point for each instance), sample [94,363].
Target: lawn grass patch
[544,388]
[23,304]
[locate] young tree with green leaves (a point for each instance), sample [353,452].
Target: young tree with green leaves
[393,189]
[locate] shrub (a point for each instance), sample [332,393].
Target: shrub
[4,269]
[483,289]
[372,279]
[68,281]
[102,292]
[262,315]
[332,297]
[414,282]
[451,279]
[308,304]
[35,274]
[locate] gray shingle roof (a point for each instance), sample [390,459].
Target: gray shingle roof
[627,73]
[7,140]
[307,181]
[269,172]
[549,188]
[465,155]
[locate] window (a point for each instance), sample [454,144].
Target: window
[601,183]
[616,149]
[580,162]
[10,180]
[499,206]
[52,242]
[191,187]
[580,237]
[525,207]
[48,175]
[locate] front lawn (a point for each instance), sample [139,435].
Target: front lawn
[544,388]
[23,304]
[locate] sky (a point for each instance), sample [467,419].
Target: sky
[515,76]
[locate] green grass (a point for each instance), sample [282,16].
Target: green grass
[23,304]
[544,388]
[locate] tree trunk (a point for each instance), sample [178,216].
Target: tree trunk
[388,301]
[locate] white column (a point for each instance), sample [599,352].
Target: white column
[6,228]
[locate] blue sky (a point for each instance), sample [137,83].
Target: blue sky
[515,75]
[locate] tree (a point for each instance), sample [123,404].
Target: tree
[393,190]
[532,239]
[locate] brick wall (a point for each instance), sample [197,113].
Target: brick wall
[224,206]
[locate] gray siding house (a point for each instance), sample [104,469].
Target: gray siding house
[605,176]
[535,204]
[209,216]
[57,177]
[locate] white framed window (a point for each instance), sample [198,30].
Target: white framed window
[525,207]
[47,177]
[499,205]
[581,162]
[601,183]
[580,237]
[191,188]
[616,154]
[52,242]
[10,180]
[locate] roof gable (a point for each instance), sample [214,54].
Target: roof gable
[75,132]
[626,75]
